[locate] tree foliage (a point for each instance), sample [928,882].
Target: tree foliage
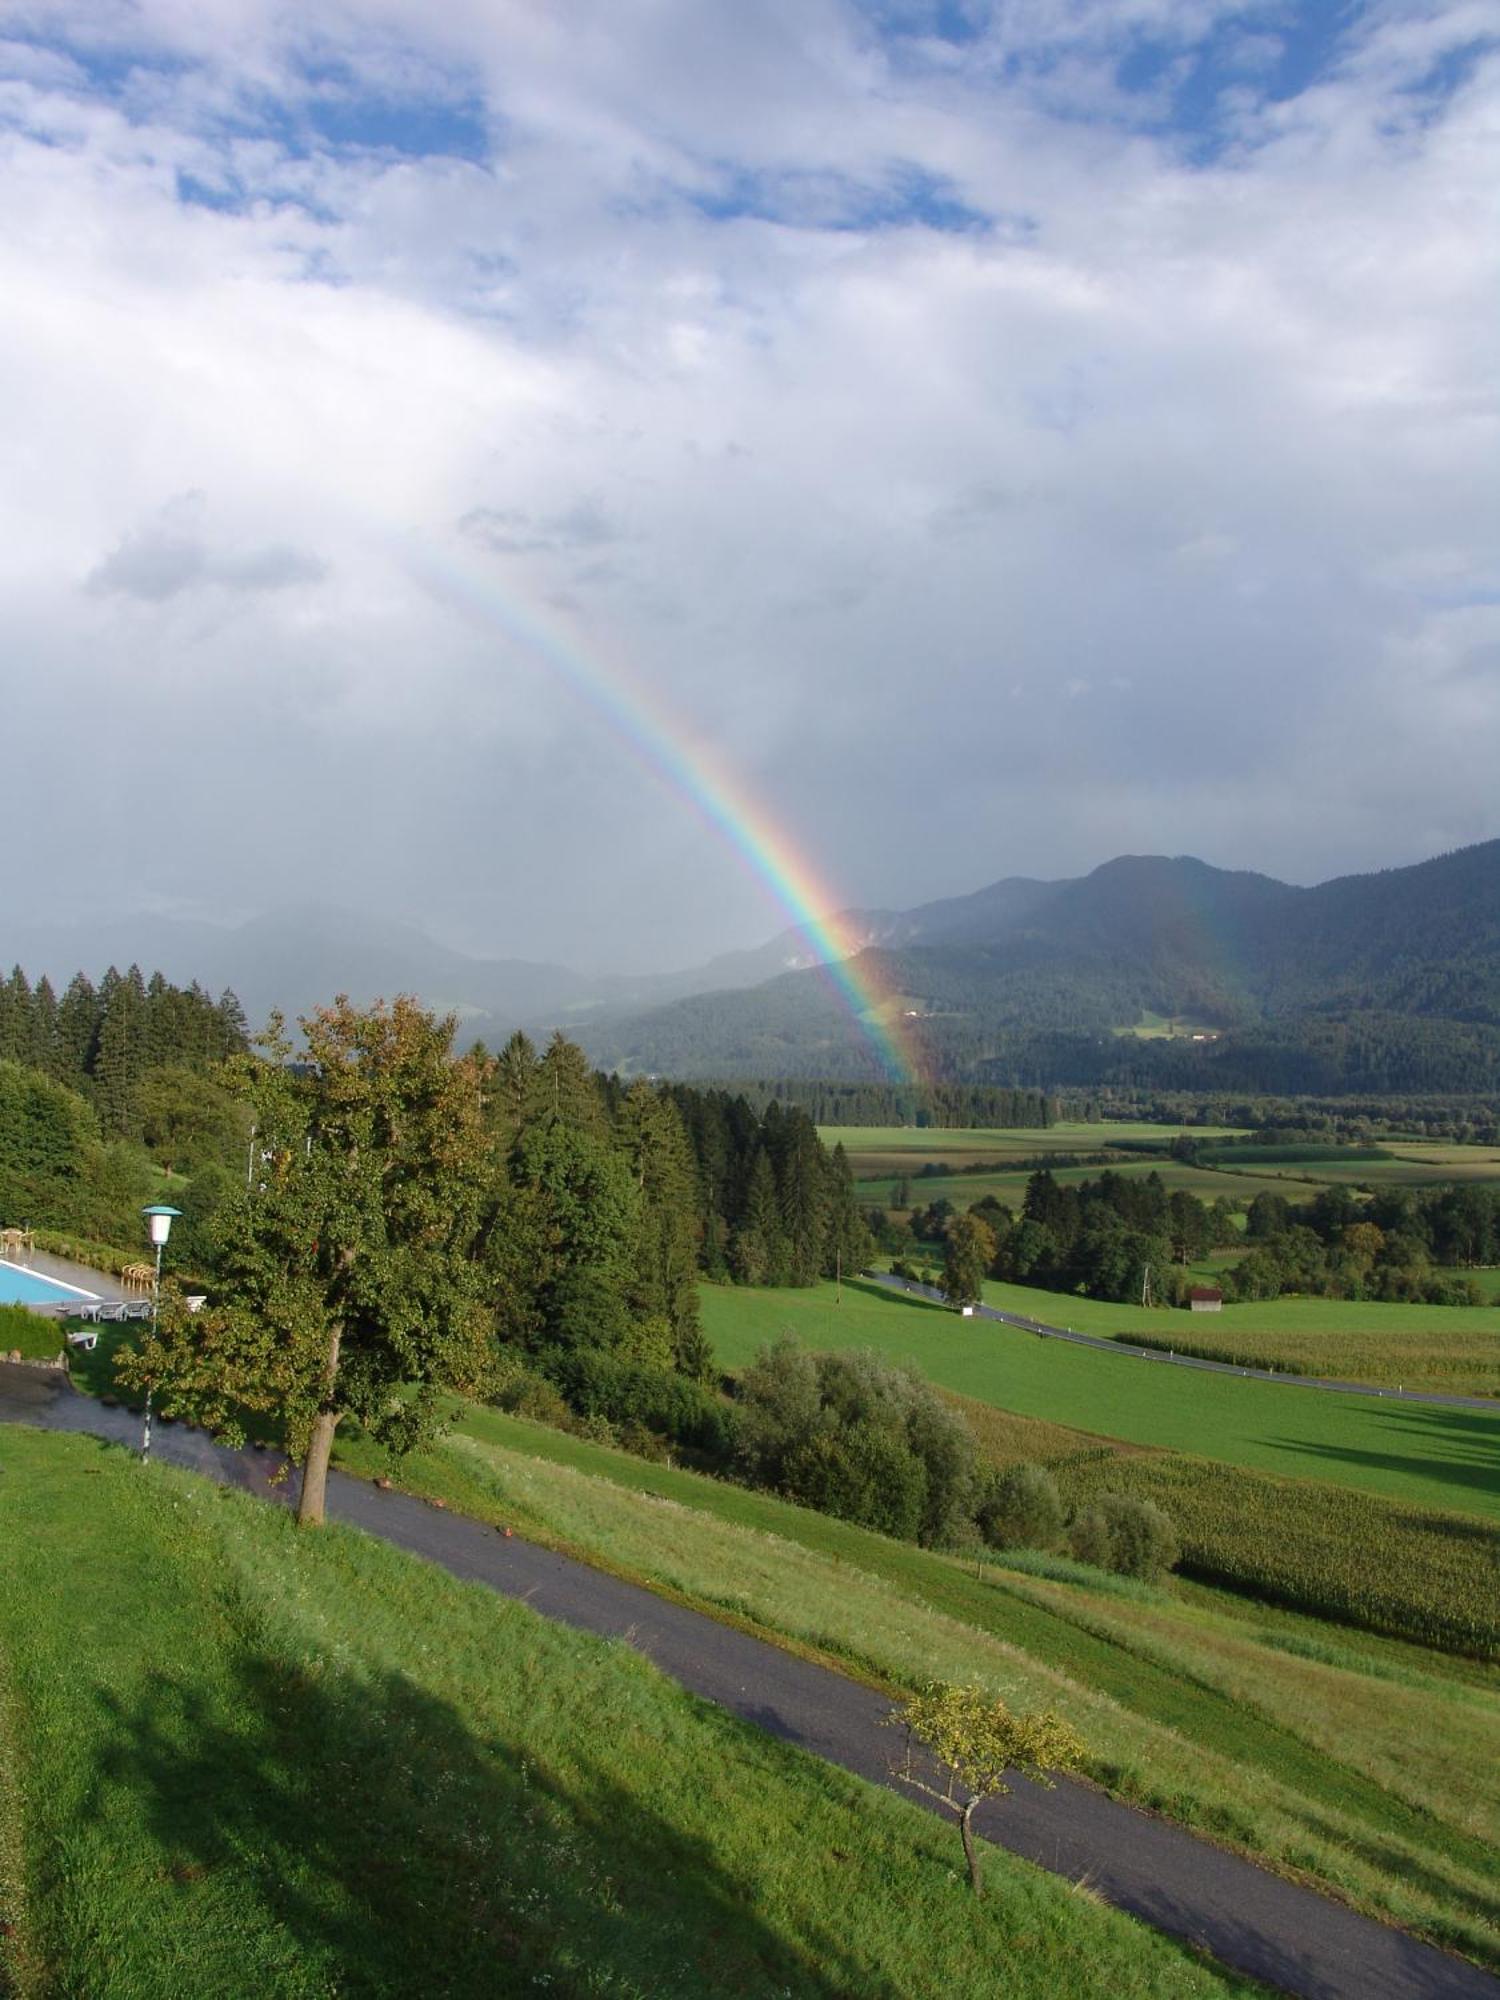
[347,1280]
[977,1742]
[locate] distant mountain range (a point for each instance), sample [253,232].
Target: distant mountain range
[1148,970]
[1388,981]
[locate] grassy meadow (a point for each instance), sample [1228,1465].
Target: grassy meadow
[322,1767]
[1358,1761]
[1418,1454]
[882,1155]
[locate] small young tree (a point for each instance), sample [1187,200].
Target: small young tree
[976,1741]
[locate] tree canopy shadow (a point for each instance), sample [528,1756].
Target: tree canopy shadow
[1460,1446]
[396,1852]
[892,1295]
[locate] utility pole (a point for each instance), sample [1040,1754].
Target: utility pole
[1146,1286]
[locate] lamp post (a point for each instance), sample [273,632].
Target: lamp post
[159,1219]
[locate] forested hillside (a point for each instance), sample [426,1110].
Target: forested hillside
[1381,983]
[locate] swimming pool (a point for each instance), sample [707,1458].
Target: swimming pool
[20,1287]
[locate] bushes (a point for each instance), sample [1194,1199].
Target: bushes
[853,1436]
[1131,1536]
[1021,1509]
[596,1384]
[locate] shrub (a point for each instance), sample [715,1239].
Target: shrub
[598,1384]
[1128,1535]
[1021,1509]
[853,1436]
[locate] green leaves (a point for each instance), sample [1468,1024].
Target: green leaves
[978,1741]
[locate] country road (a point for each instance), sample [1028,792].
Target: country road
[1326,1383]
[1288,1936]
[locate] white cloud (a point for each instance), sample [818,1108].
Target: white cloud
[969,547]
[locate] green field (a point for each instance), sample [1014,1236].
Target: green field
[1427,1456]
[1361,1762]
[879,1154]
[243,1761]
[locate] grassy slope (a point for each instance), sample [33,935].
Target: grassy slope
[1427,1456]
[1366,1766]
[319,1766]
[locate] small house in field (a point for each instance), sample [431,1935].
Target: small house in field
[1205,1299]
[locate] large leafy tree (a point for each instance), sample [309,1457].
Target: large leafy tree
[346,1269]
[967,1255]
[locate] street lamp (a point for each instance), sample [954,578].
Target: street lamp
[159,1220]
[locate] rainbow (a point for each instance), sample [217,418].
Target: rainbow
[695,772]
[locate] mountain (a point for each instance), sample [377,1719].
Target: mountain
[1388,981]
[297,958]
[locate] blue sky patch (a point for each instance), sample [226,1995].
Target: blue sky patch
[909,197]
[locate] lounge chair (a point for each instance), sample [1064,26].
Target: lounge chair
[86,1337]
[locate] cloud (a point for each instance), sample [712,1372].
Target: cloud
[173,555]
[512,531]
[965,425]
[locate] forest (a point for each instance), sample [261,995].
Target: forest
[1110,1237]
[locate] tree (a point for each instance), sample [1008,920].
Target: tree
[347,1275]
[976,1740]
[1124,1533]
[967,1256]
[1021,1509]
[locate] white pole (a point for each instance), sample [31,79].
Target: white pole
[155,1317]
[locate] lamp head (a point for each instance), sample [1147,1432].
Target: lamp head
[159,1221]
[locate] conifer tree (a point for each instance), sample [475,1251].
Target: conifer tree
[78,1018]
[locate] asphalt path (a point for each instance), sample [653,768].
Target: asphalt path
[1324,1382]
[1278,1931]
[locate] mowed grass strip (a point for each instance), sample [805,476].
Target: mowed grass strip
[258,1762]
[1422,1455]
[1310,1772]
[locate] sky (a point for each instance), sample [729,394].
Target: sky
[997,436]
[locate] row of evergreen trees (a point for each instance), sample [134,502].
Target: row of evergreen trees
[927,1106]
[102,1040]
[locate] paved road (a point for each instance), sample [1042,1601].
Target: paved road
[892,1284]
[1286,1935]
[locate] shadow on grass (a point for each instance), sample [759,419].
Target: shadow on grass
[893,1295]
[365,1825]
[1459,1446]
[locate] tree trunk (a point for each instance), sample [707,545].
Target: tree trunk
[971,1852]
[320,1444]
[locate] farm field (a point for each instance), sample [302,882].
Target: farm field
[323,1767]
[879,1155]
[1348,1761]
[1429,1457]
[1442,1353]
[1282,1542]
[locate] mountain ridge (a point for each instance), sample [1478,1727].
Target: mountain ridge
[1137,939]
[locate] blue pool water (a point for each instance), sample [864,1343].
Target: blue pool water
[30,1288]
